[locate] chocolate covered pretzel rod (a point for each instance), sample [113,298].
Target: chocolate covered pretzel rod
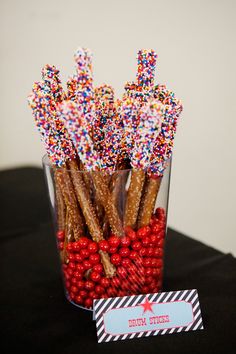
[105,114]
[74,120]
[57,150]
[161,153]
[147,131]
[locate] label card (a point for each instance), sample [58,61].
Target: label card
[146,315]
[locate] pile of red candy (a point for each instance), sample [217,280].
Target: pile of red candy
[138,258]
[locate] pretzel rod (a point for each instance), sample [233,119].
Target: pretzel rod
[90,215]
[68,237]
[83,83]
[61,215]
[63,179]
[105,198]
[61,209]
[146,134]
[134,197]
[99,208]
[85,202]
[147,204]
[115,187]
[108,267]
[58,148]
[161,153]
[91,160]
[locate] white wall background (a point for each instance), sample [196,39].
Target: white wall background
[195,41]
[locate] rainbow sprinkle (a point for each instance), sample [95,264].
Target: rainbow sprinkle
[164,145]
[150,120]
[104,110]
[101,130]
[74,120]
[84,85]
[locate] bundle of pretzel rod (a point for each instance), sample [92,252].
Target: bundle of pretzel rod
[95,142]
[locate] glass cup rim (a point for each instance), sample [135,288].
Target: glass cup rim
[46,162]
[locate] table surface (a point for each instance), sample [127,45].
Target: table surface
[36,317]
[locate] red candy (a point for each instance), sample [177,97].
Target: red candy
[147,262]
[124,252]
[70,247]
[93,295]
[134,255]
[94,258]
[112,250]
[156,228]
[84,253]
[126,262]
[104,245]
[80,268]
[74,281]
[115,282]
[116,259]
[153,238]
[72,265]
[71,257]
[105,282]
[111,292]
[136,245]
[137,257]
[125,241]
[74,289]
[78,275]
[61,246]
[160,243]
[130,233]
[78,299]
[77,257]
[99,290]
[146,241]
[80,284]
[89,285]
[67,284]
[142,252]
[150,251]
[83,242]
[61,235]
[98,268]
[143,231]
[114,241]
[148,272]
[83,293]
[88,303]
[87,264]
[92,247]
[94,276]
[121,271]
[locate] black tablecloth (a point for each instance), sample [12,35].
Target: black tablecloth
[36,317]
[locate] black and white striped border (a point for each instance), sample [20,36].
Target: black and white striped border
[103,305]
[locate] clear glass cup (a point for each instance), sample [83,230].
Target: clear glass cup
[110,230]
